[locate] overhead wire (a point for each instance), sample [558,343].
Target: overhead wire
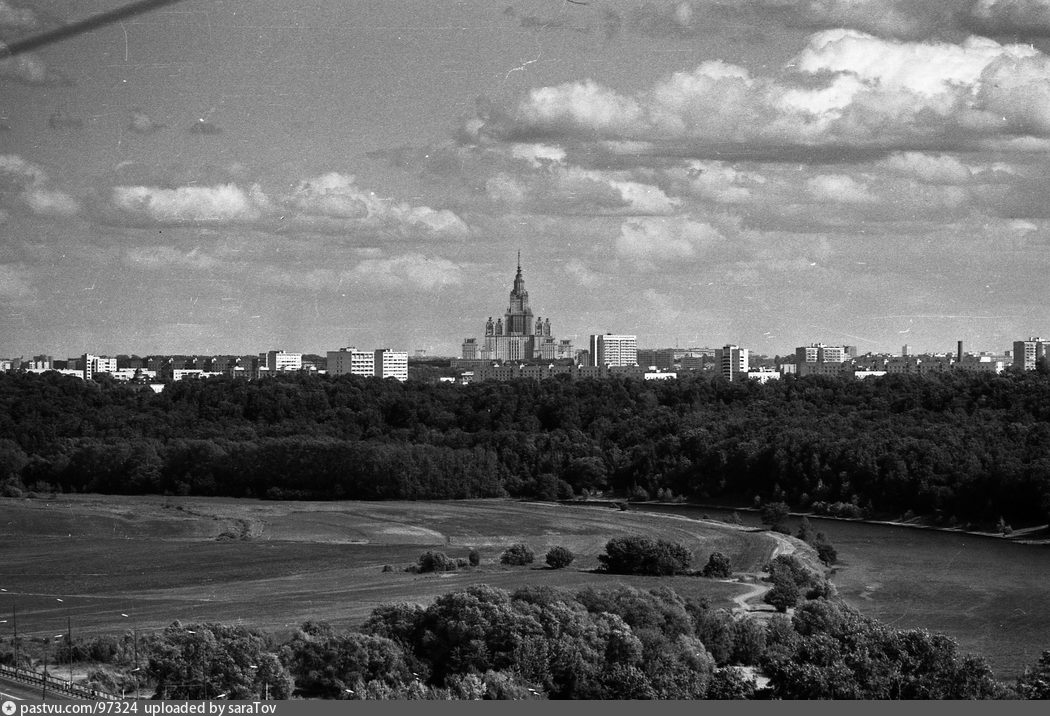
[80,27]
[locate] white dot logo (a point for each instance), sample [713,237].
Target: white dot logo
[9,708]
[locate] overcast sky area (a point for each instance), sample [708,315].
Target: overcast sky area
[232,177]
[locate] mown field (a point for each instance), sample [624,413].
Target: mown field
[86,560]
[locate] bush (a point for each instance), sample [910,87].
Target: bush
[640,555]
[559,557]
[474,558]
[431,561]
[825,551]
[718,566]
[517,555]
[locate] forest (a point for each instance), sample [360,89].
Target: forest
[959,448]
[543,642]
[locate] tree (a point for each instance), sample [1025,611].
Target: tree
[775,514]
[641,555]
[1034,683]
[784,595]
[517,555]
[718,566]
[826,553]
[431,561]
[206,660]
[559,557]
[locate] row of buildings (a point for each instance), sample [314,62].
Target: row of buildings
[379,363]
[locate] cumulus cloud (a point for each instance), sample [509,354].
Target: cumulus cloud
[28,185]
[220,204]
[574,190]
[929,168]
[838,188]
[659,239]
[846,90]
[336,196]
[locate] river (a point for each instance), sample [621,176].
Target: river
[988,594]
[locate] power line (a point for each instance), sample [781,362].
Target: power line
[78,28]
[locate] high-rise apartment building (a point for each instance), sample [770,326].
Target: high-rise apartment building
[613,350]
[1027,354]
[732,362]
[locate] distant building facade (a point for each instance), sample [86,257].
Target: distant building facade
[613,350]
[732,362]
[518,335]
[1027,354]
[381,363]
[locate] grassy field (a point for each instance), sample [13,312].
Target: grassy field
[88,559]
[986,593]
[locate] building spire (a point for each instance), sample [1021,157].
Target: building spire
[519,260]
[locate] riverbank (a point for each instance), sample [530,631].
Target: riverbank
[1036,535]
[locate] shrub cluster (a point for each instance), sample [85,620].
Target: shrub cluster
[641,555]
[517,555]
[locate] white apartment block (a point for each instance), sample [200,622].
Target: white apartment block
[391,364]
[278,361]
[97,364]
[350,361]
[732,361]
[381,363]
[613,350]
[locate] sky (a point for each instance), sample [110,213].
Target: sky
[223,177]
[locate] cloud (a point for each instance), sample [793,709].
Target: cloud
[142,123]
[160,258]
[411,271]
[572,190]
[846,91]
[31,187]
[17,19]
[659,240]
[28,69]
[335,201]
[201,126]
[220,204]
[838,188]
[929,168]
[1027,18]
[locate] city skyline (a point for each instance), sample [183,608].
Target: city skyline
[222,178]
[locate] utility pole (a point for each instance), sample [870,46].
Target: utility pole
[69,645]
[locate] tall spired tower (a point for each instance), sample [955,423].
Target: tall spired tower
[517,336]
[518,318]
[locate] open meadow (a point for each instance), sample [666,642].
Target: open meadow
[87,560]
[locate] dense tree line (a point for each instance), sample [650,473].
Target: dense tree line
[968,448]
[543,642]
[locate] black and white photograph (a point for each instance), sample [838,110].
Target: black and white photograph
[449,350]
